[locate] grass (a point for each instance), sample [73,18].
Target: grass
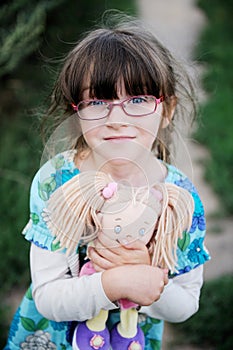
[212,325]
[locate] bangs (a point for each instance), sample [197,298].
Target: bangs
[120,68]
[112,61]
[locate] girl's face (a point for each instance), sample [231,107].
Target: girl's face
[119,137]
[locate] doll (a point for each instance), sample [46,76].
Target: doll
[92,202]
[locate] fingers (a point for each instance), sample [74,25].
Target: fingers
[118,253]
[130,243]
[112,254]
[99,262]
[121,247]
[162,281]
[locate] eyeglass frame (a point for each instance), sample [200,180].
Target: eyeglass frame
[120,104]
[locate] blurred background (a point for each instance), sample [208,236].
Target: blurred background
[34,36]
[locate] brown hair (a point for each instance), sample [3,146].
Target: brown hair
[121,49]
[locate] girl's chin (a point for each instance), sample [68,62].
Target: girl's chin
[122,154]
[126,161]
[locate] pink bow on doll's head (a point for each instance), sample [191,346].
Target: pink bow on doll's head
[109,190]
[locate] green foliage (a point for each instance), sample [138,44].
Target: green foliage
[212,325]
[17,145]
[3,324]
[216,51]
[17,164]
[23,23]
[30,31]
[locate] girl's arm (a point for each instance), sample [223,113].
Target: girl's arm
[127,272]
[62,297]
[141,284]
[59,293]
[180,298]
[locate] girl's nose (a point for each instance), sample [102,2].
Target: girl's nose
[116,117]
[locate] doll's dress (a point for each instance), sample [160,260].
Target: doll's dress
[29,328]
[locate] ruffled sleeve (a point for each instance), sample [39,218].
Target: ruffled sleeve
[51,175]
[191,250]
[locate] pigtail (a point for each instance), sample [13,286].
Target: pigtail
[163,152]
[176,217]
[71,213]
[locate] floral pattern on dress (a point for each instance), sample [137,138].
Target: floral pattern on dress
[38,341]
[151,328]
[34,332]
[48,185]
[197,253]
[29,329]
[191,251]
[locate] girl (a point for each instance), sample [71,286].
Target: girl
[120,93]
[92,203]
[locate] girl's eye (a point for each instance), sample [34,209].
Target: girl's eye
[96,103]
[138,100]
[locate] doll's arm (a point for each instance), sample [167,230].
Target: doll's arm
[60,297]
[180,298]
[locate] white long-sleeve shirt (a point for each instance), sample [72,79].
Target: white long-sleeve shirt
[61,295]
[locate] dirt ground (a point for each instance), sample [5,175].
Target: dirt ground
[178,24]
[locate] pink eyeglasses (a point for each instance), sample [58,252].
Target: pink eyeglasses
[136,106]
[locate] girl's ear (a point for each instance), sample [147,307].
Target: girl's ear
[169,111]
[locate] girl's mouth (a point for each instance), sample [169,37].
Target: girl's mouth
[119,139]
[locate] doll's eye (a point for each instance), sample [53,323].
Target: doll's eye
[117,229]
[142,231]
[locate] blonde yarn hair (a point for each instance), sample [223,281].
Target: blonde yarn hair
[72,213]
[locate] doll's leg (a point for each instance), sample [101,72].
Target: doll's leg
[127,334]
[128,323]
[98,323]
[92,334]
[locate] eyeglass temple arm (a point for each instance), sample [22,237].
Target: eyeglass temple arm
[75,107]
[159,100]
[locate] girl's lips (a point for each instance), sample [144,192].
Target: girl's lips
[119,138]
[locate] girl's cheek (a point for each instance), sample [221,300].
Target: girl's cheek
[90,128]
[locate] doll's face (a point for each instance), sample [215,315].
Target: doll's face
[129,221]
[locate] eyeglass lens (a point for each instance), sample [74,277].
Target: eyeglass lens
[135,106]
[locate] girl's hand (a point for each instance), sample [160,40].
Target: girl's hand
[141,284]
[107,254]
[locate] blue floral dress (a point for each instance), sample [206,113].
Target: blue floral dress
[29,329]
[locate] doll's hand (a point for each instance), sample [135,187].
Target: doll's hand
[107,254]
